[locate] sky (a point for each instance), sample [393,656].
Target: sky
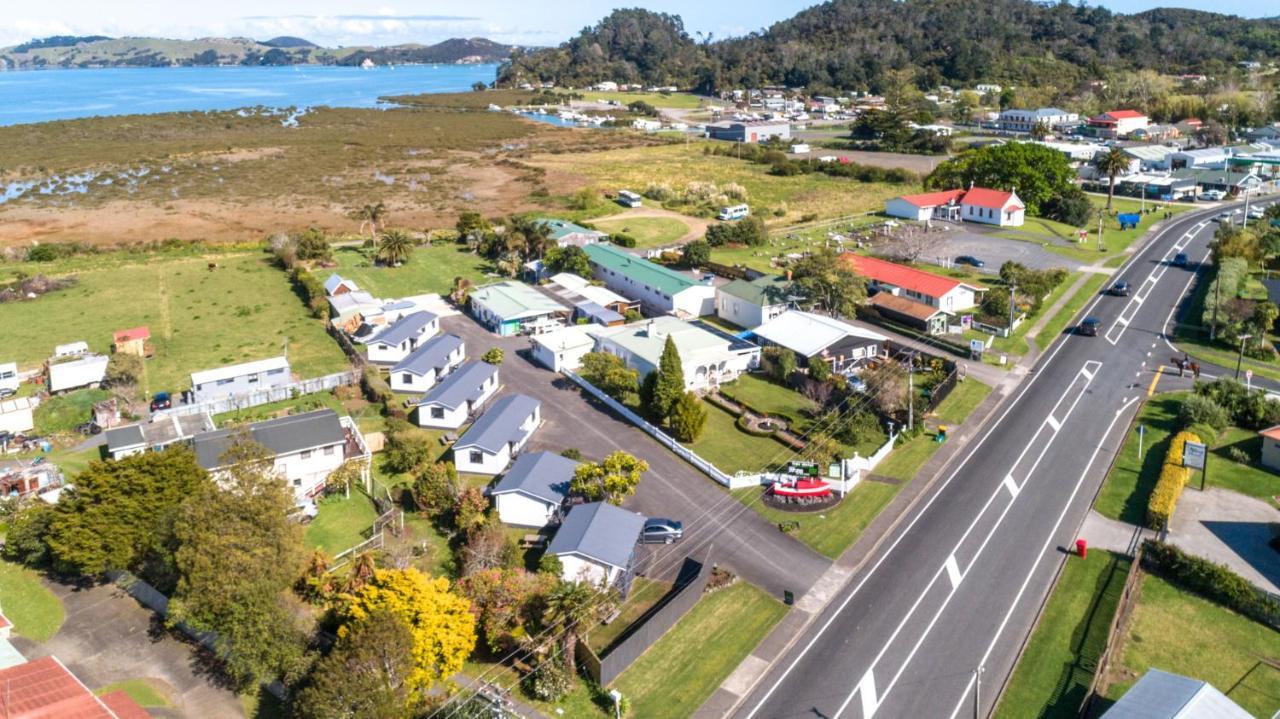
[351,22]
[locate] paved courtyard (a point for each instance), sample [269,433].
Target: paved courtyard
[1230,529]
[956,240]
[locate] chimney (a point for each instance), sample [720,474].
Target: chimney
[650,329]
[970,184]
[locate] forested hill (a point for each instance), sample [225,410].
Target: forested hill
[849,44]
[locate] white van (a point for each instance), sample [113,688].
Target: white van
[734,212]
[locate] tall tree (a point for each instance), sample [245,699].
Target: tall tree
[573,607]
[828,283]
[394,247]
[366,674]
[371,215]
[670,383]
[688,418]
[1112,163]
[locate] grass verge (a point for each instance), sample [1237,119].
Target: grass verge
[1057,325]
[35,611]
[147,692]
[1128,485]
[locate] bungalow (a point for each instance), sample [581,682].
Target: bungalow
[937,291]
[134,341]
[596,543]
[911,313]
[1156,133]
[815,337]
[426,365]
[532,492]
[237,379]
[17,414]
[161,432]
[751,303]
[659,290]
[943,205]
[565,233]
[750,131]
[451,402]
[511,308]
[488,446]
[992,207]
[708,357]
[337,285]
[402,337]
[1118,123]
[563,348]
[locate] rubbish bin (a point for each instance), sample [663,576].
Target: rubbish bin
[1082,548]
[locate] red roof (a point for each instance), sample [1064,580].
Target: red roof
[123,705]
[134,333]
[1123,114]
[933,199]
[983,197]
[44,689]
[1271,432]
[908,278]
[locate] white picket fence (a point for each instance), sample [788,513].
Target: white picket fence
[266,396]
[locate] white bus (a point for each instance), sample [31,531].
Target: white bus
[627,198]
[734,212]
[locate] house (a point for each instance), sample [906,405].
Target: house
[134,341]
[531,493]
[160,433]
[992,207]
[1118,123]
[451,402]
[305,448]
[512,308]
[17,414]
[44,688]
[988,88]
[1206,158]
[565,233]
[910,313]
[347,309]
[1151,157]
[943,205]
[1162,695]
[75,371]
[563,349]
[402,337]
[1189,126]
[1156,133]
[1265,133]
[659,290]
[237,379]
[750,130]
[815,337]
[1077,153]
[751,303]
[1026,120]
[1271,448]
[605,86]
[576,290]
[488,446]
[427,364]
[337,285]
[596,543]
[937,291]
[708,357]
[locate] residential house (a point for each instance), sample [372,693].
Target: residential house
[1266,133]
[163,431]
[750,130]
[17,414]
[1151,157]
[426,365]
[563,349]
[1189,126]
[1162,695]
[1270,448]
[944,293]
[70,372]
[512,308]
[942,205]
[596,543]
[658,289]
[565,233]
[337,285]
[238,379]
[531,493]
[708,356]
[305,448]
[751,303]
[134,341]
[899,309]
[818,338]
[489,445]
[988,88]
[1156,133]
[461,392]
[1052,118]
[1205,158]
[1118,123]
[347,309]
[402,337]
[992,207]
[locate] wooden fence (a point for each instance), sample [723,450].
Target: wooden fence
[1128,598]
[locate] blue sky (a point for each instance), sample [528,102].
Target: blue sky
[351,22]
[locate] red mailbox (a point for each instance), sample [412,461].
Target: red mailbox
[1082,548]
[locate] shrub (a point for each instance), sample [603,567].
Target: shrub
[1198,409]
[549,682]
[789,526]
[1207,434]
[687,418]
[1212,581]
[1173,477]
[622,239]
[1239,455]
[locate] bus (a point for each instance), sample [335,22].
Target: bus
[734,212]
[627,198]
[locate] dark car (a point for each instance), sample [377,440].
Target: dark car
[1180,259]
[970,260]
[161,400]
[1120,289]
[661,531]
[1089,327]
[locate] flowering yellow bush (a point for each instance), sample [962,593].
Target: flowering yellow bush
[1173,477]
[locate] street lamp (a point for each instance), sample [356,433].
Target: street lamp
[616,696]
[1240,358]
[977,691]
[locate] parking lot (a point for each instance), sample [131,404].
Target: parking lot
[957,240]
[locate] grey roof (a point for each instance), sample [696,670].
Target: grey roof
[404,328]
[600,531]
[462,385]
[284,435]
[163,429]
[334,282]
[129,435]
[432,355]
[599,313]
[499,425]
[540,475]
[1161,695]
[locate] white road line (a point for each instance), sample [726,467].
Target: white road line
[1011,485]
[953,571]
[1053,423]
[867,688]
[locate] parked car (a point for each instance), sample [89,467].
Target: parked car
[661,531]
[1089,327]
[1257,213]
[1120,289]
[1212,195]
[161,400]
[970,260]
[1180,259]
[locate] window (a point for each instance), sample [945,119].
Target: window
[297,482]
[278,370]
[328,451]
[437,412]
[477,457]
[407,378]
[254,379]
[222,382]
[306,454]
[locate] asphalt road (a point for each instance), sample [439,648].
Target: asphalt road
[957,585]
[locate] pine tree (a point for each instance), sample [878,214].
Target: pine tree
[670,383]
[688,418]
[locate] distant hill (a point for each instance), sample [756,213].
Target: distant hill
[100,51]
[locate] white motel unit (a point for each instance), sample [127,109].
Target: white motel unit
[402,337]
[451,402]
[428,364]
[531,493]
[488,446]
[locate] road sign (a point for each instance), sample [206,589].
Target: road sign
[977,347]
[1193,455]
[1248,378]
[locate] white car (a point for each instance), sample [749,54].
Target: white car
[1257,213]
[1225,217]
[1212,195]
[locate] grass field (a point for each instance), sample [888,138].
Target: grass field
[34,610]
[64,412]
[732,450]
[1179,632]
[1129,484]
[147,692]
[244,310]
[1055,672]
[341,522]
[1061,320]
[1051,234]
[645,593]
[670,100]
[430,268]
[648,231]
[685,667]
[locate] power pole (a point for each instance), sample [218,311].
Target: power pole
[1217,295]
[977,691]
[1011,308]
[911,391]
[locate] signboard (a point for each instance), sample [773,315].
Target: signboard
[977,347]
[1193,455]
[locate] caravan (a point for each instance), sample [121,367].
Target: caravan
[627,198]
[734,212]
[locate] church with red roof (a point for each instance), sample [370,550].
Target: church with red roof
[977,204]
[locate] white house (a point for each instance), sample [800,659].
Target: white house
[162,431]
[751,303]
[1013,120]
[708,357]
[942,205]
[992,207]
[563,348]
[658,289]
[451,402]
[17,414]
[239,379]
[815,337]
[936,291]
[533,490]
[488,446]
[426,365]
[402,337]
[596,543]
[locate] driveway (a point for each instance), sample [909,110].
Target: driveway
[1229,528]
[957,240]
[740,539]
[108,637]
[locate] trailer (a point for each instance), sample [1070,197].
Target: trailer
[9,379]
[84,371]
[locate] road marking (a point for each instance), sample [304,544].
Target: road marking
[1011,485]
[1152,389]
[867,688]
[953,571]
[1130,311]
[1055,424]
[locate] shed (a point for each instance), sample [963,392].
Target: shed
[1163,695]
[133,341]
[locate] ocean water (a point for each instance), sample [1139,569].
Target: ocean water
[43,95]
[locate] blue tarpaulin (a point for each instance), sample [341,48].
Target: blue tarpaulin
[1129,220]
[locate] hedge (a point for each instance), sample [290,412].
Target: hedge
[312,290]
[1173,477]
[1214,582]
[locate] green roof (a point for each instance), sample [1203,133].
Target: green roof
[564,228]
[515,300]
[761,291]
[645,272]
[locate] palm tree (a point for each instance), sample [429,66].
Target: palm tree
[363,566]
[574,606]
[1111,163]
[530,237]
[394,247]
[371,215]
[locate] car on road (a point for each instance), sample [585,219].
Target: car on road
[1119,289]
[1180,259]
[661,531]
[1257,213]
[970,260]
[161,400]
[1089,327]
[1224,217]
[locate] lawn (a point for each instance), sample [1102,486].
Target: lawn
[1129,484]
[1179,632]
[64,412]
[1055,672]
[147,692]
[964,398]
[647,231]
[764,395]
[1051,234]
[1061,319]
[71,462]
[908,457]
[199,319]
[835,530]
[679,672]
[342,522]
[431,268]
[732,450]
[367,415]
[34,610]
[794,241]
[1246,478]
[645,593]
